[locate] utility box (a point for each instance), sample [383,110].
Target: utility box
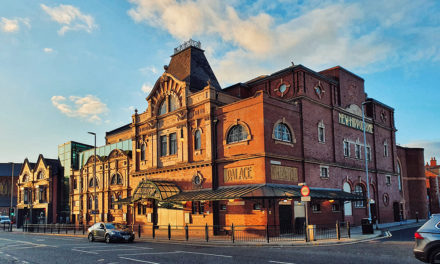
[311,232]
[367,226]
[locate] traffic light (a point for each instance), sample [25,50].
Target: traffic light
[12,211]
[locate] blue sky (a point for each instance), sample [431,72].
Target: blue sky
[68,67]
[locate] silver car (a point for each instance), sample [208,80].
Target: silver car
[427,248]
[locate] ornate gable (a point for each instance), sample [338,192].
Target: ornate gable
[166,85]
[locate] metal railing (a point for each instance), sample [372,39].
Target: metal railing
[232,233]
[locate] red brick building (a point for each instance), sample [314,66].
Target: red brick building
[432,172]
[207,155]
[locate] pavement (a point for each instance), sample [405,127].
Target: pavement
[380,231]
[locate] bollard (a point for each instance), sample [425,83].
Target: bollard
[338,230]
[59,228]
[84,230]
[348,230]
[267,233]
[233,233]
[206,233]
[186,232]
[51,229]
[38,228]
[154,232]
[417,216]
[65,226]
[44,229]
[139,230]
[4,226]
[169,232]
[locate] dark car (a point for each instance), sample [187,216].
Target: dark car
[109,232]
[427,248]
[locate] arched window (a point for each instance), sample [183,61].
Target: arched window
[93,183]
[198,140]
[90,202]
[96,202]
[359,190]
[143,151]
[282,133]
[162,107]
[40,175]
[236,134]
[116,179]
[174,103]
[112,202]
[25,178]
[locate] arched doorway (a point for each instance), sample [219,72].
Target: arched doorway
[347,204]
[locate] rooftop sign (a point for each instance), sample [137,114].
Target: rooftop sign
[354,123]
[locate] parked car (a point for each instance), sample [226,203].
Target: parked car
[427,247]
[109,232]
[4,219]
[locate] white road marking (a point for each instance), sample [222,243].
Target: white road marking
[88,252]
[279,262]
[138,260]
[99,260]
[118,249]
[207,254]
[154,253]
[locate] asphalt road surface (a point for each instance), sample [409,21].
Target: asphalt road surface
[31,248]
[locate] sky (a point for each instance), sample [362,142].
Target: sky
[69,67]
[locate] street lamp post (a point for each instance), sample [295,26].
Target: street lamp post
[366,163]
[12,188]
[94,176]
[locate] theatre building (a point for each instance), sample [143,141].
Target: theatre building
[201,154]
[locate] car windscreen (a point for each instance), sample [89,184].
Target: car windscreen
[109,226]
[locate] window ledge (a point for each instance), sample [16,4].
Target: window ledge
[283,142]
[317,212]
[244,142]
[324,178]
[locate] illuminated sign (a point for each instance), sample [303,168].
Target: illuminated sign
[238,174]
[354,123]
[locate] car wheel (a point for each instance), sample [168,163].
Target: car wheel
[107,238]
[91,238]
[131,240]
[434,257]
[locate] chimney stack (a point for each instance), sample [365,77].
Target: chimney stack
[433,162]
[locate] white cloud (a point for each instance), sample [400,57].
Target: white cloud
[146,88]
[88,108]
[13,25]
[148,69]
[318,34]
[71,18]
[48,50]
[432,148]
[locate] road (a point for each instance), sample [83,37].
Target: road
[31,248]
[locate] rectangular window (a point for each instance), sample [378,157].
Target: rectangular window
[26,196]
[173,144]
[324,172]
[257,206]
[316,207]
[357,151]
[75,184]
[321,134]
[388,179]
[368,153]
[144,209]
[139,209]
[346,149]
[385,150]
[335,207]
[163,146]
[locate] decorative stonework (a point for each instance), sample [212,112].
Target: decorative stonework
[282,88]
[319,91]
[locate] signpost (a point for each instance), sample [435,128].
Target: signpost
[305,197]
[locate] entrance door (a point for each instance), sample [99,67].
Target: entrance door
[285,215]
[396,211]
[373,212]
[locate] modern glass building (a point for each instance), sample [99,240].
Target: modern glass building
[68,154]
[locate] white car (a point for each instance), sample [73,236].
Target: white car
[4,219]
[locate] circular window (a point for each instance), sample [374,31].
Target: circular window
[197,180]
[282,88]
[386,199]
[318,90]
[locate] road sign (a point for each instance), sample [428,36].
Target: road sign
[94,212]
[305,191]
[305,199]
